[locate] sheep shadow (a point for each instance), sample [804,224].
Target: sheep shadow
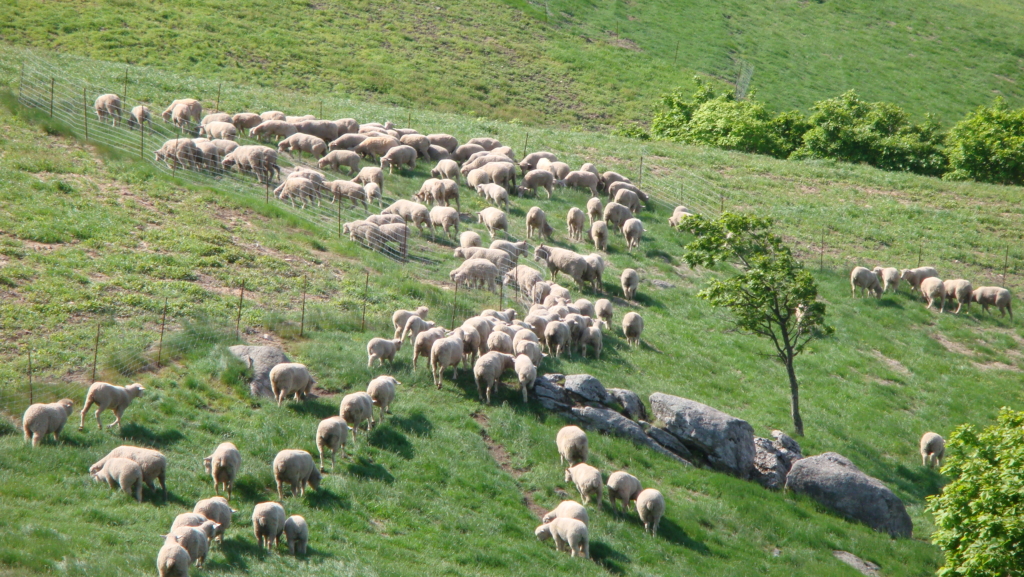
[609,558]
[314,409]
[366,469]
[156,498]
[139,433]
[890,304]
[388,439]
[323,498]
[919,481]
[77,440]
[415,423]
[658,253]
[236,551]
[669,531]
[248,488]
[644,298]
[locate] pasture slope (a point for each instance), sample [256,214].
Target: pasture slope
[89,233]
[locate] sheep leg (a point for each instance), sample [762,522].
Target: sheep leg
[98,421]
[117,418]
[280,491]
[36,439]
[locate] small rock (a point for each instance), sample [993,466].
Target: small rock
[866,567]
[261,359]
[551,396]
[669,441]
[610,421]
[587,388]
[776,552]
[630,402]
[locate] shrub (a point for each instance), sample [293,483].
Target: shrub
[988,145]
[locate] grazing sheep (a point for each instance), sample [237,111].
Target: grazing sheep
[327,130]
[580,179]
[413,327]
[568,510]
[331,433]
[211,155]
[615,187]
[609,177]
[914,276]
[224,147]
[560,292]
[436,153]
[364,233]
[179,152]
[296,533]
[382,219]
[500,173]
[400,317]
[559,169]
[494,219]
[445,191]
[628,199]
[530,161]
[500,342]
[487,371]
[274,115]
[595,271]
[587,480]
[585,307]
[494,194]
[268,128]
[633,230]
[557,337]
[42,419]
[632,328]
[864,279]
[342,189]
[356,408]
[526,370]
[475,271]
[446,218]
[195,540]
[295,467]
[574,222]
[370,174]
[106,396]
[268,523]
[401,155]
[568,534]
[216,509]
[139,116]
[539,324]
[418,142]
[121,473]
[259,160]
[423,341]
[290,379]
[444,353]
[382,393]
[462,153]
[347,126]
[347,142]
[243,120]
[445,141]
[337,158]
[591,336]
[993,296]
[650,504]
[630,280]
[299,187]
[603,308]
[678,214]
[301,142]
[959,291]
[223,466]
[534,180]
[298,119]
[153,463]
[381,350]
[572,445]
[515,249]
[537,221]
[599,234]
[189,520]
[933,449]
[529,349]
[413,212]
[376,146]
[485,143]
[562,260]
[615,214]
[222,130]
[890,277]
[524,277]
[191,110]
[932,289]
[470,239]
[476,177]
[625,487]
[446,169]
[172,561]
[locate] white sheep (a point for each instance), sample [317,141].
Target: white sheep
[139,116]
[445,217]
[568,534]
[865,280]
[446,168]
[531,350]
[476,177]
[475,271]
[494,219]
[524,277]
[493,193]
[356,408]
[572,445]
[382,393]
[515,249]
[463,152]
[445,141]
[650,505]
[195,541]
[376,146]
[42,419]
[998,297]
[933,449]
[370,174]
[580,179]
[487,371]
[933,290]
[413,327]
[299,187]
[211,154]
[106,396]
[470,344]
[595,210]
[557,338]
[890,277]
[108,107]
[401,155]
[290,379]
[444,353]
[223,466]
[173,561]
[485,143]
[616,215]
[243,120]
[678,214]
[599,234]
[562,260]
[331,433]
[587,480]
[536,179]
[499,341]
[259,160]
[347,142]
[497,257]
[301,142]
[630,280]
[633,230]
[531,161]
[625,487]
[179,152]
[296,533]
[574,221]
[567,510]
[381,350]
[592,337]
[268,523]
[279,128]
[604,311]
[609,177]
[413,212]
[526,370]
[295,467]
[273,115]
[423,341]
[632,328]
[628,199]
[959,291]
[336,158]
[217,510]
[121,473]
[914,276]
[417,141]
[153,463]
[222,130]
[400,317]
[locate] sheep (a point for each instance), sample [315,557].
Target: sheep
[347,142]
[191,110]
[632,328]
[342,189]
[959,291]
[290,379]
[370,174]
[574,222]
[195,540]
[211,155]
[223,466]
[179,152]
[560,292]
[914,276]
[327,130]
[623,486]
[446,169]
[494,194]
[42,419]
[629,280]
[633,230]
[382,219]
[301,142]
[488,369]
[106,396]
[172,561]
[477,177]
[413,212]
[356,408]
[538,322]
[436,153]
[446,218]
[607,178]
[121,473]
[529,162]
[189,520]
[273,115]
[376,146]
[298,119]
[993,296]
[423,341]
[296,533]
[537,221]
[347,126]
[629,199]
[599,234]
[515,249]
[585,307]
[444,353]
[576,323]
[139,116]
[462,153]
[864,279]
[650,505]
[497,257]
[445,191]
[260,160]
[568,534]
[222,130]
[678,214]
[524,277]
[580,179]
[331,433]
[526,370]
[485,143]
[445,141]
[413,327]
[299,187]
[932,289]
[562,260]
[216,509]
[587,480]
[567,510]
[615,187]
[616,214]
[153,463]
[591,336]
[295,467]
[382,393]
[243,120]
[500,342]
[470,239]
[337,158]
[529,349]
[470,344]
[381,350]
[363,232]
[475,271]
[558,169]
[890,277]
[400,317]
[268,523]
[494,219]
[267,128]
[933,449]
[603,308]
[398,156]
[557,337]
[500,173]
[427,193]
[590,167]
[535,179]
[180,118]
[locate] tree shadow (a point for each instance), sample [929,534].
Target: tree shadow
[366,469]
[314,409]
[415,423]
[324,498]
[609,558]
[139,433]
[388,439]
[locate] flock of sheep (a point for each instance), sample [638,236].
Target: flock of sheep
[933,289]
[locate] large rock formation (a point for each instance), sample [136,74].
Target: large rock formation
[725,442]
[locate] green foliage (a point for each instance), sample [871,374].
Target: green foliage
[988,145]
[979,515]
[632,130]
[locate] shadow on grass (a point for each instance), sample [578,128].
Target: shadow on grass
[415,423]
[363,467]
[609,558]
[237,551]
[387,438]
[673,533]
[249,489]
[324,498]
[139,433]
[313,409]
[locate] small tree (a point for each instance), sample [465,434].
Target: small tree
[979,516]
[772,296]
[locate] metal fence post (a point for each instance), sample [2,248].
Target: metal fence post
[526,143]
[238,317]
[302,323]
[640,177]
[95,351]
[85,112]
[366,296]
[160,347]
[455,301]
[30,392]
[217,108]
[124,95]
[21,80]
[1006,263]
[51,97]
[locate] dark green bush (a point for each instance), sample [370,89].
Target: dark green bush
[988,145]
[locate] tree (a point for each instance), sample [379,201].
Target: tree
[772,296]
[988,146]
[979,516]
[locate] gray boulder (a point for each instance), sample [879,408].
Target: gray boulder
[669,441]
[832,480]
[630,402]
[551,396]
[727,443]
[587,388]
[260,360]
[773,459]
[609,421]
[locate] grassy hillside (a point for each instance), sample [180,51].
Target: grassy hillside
[564,61]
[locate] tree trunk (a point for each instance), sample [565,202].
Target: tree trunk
[794,391]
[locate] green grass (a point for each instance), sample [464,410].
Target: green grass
[423,491]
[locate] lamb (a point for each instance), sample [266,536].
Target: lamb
[572,445]
[625,487]
[580,179]
[337,158]
[933,290]
[139,116]
[933,449]
[568,510]
[599,234]
[476,177]
[191,110]
[890,277]
[524,277]
[223,466]
[301,142]
[537,221]
[382,393]
[615,187]
[413,212]
[632,328]
[216,509]
[179,152]
[106,396]
[574,222]
[603,308]
[331,433]
[485,143]
[526,370]
[370,174]
[494,194]
[591,336]
[993,296]
[376,146]
[444,353]
[470,239]
[475,271]
[628,199]
[290,379]
[630,280]
[487,370]
[530,161]
[423,341]
[153,463]
[296,533]
[267,128]
[562,260]
[500,342]
[529,349]
[650,504]
[381,350]
[173,561]
[494,219]
[470,344]
[223,130]
[372,191]
[914,276]
[298,187]
[536,179]
[195,540]
[446,218]
[567,533]
[121,473]
[959,291]
[401,155]
[244,120]
[400,317]
[557,337]
[413,327]
[356,408]
[295,467]
[462,153]
[274,115]
[616,214]
[268,523]
[446,169]
[347,142]
[633,230]
[587,480]
[42,419]
[864,279]
[445,141]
